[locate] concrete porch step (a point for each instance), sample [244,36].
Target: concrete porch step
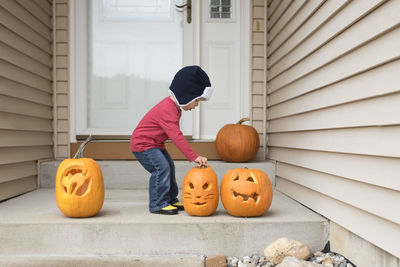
[129,174]
[102,261]
[32,225]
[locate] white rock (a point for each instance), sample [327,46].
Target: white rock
[246,259]
[241,264]
[279,249]
[318,253]
[255,259]
[291,261]
[327,261]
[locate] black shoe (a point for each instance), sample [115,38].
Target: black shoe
[178,205]
[168,210]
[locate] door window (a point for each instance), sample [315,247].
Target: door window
[220,9]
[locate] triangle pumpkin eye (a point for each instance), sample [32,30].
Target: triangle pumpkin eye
[191,186]
[250,179]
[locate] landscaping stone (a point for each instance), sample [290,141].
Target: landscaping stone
[282,247]
[217,261]
[246,259]
[330,259]
[233,262]
[291,261]
[255,259]
[319,258]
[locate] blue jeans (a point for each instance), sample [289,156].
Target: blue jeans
[163,189]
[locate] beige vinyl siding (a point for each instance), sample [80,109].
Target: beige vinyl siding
[258,79]
[25,93]
[61,97]
[334,114]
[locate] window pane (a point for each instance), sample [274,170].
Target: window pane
[226,15]
[226,2]
[215,15]
[220,9]
[226,9]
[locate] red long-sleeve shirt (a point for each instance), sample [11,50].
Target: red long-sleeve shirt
[158,125]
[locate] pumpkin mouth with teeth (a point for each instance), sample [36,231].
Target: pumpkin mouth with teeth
[245,197]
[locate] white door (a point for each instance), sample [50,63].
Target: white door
[127,52]
[225,25]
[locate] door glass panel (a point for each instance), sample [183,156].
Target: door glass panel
[220,9]
[134,50]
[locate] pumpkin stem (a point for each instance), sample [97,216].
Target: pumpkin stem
[243,120]
[201,167]
[79,153]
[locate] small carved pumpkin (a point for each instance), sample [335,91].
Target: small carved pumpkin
[79,186]
[200,191]
[237,142]
[246,192]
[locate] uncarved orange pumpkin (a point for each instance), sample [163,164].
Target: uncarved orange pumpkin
[237,142]
[246,192]
[200,191]
[79,186]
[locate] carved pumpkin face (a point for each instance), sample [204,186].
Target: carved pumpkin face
[246,192]
[79,187]
[200,191]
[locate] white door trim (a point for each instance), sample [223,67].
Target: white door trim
[245,30]
[244,7]
[72,21]
[196,20]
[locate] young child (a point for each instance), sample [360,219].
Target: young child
[189,86]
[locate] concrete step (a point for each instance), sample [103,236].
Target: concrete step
[102,261]
[119,174]
[31,224]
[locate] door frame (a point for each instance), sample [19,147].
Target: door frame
[78,71]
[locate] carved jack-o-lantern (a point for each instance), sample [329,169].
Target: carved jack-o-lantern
[79,186]
[200,191]
[246,192]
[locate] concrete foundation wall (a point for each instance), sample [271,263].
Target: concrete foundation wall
[358,250]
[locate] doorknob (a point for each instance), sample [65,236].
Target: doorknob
[188,6]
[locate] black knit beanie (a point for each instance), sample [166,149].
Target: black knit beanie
[189,84]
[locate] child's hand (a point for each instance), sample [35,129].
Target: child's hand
[201,160]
